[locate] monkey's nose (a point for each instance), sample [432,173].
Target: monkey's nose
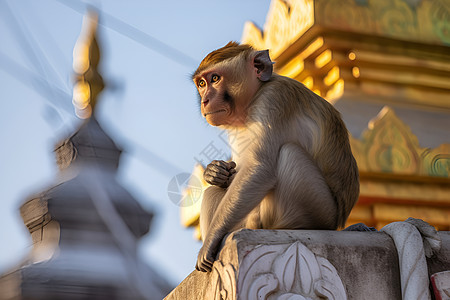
[205,102]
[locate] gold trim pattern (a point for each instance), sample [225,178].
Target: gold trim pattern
[428,21]
[389,146]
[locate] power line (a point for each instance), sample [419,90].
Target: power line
[54,95]
[48,91]
[58,56]
[33,52]
[136,35]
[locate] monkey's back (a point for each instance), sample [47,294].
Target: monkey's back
[313,123]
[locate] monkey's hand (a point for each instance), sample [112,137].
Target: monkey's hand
[207,255]
[220,173]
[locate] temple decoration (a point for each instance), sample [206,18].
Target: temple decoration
[409,20]
[86,57]
[400,179]
[323,43]
[397,149]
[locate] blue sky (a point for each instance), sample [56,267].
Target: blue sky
[150,107]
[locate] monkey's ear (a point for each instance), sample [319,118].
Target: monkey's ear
[263,65]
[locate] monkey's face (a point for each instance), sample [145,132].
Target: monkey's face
[225,94]
[216,102]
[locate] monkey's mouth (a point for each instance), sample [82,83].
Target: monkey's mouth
[213,112]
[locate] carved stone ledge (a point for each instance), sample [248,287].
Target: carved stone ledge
[305,264]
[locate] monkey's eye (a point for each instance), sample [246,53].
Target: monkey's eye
[201,83]
[215,78]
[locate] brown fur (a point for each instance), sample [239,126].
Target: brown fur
[329,147]
[230,50]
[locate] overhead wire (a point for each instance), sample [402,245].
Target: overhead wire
[33,51]
[46,89]
[135,34]
[37,60]
[58,57]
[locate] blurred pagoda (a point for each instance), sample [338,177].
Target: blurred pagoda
[385,65]
[85,228]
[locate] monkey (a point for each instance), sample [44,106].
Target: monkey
[292,165]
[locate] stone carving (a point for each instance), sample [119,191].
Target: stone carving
[222,283]
[414,239]
[288,272]
[277,271]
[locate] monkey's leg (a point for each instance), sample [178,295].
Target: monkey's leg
[302,198]
[211,199]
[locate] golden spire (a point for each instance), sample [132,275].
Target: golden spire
[86,56]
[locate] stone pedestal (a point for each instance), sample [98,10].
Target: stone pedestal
[305,264]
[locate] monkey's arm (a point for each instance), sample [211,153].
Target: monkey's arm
[251,184]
